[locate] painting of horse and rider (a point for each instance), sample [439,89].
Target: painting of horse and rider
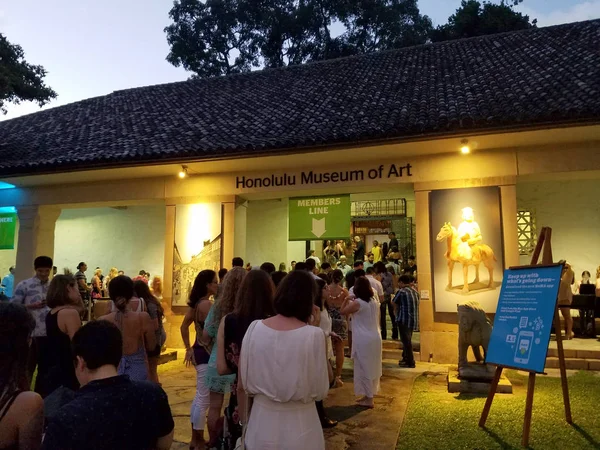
[466,261]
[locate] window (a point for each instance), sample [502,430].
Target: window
[526,231]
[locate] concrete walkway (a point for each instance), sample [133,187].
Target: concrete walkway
[359,428]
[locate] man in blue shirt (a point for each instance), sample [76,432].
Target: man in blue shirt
[8,283]
[109,412]
[406,304]
[32,294]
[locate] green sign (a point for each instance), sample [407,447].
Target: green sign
[8,224]
[314,218]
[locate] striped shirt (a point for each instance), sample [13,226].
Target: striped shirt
[407,300]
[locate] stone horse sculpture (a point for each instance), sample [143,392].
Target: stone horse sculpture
[474,330]
[481,253]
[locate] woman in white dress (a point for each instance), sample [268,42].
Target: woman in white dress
[366,341]
[283,365]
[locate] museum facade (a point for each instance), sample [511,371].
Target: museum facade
[180,177]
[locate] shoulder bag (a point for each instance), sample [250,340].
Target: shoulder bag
[241,444]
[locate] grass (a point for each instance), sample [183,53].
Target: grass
[436,419]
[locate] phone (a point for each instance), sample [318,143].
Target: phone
[524,343]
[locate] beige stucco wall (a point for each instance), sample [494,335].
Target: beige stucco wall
[570,208]
[130,239]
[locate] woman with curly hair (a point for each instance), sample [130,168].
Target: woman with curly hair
[254,302]
[219,385]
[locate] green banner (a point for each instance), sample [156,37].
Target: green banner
[313,218]
[8,224]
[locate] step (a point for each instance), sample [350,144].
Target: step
[168,356]
[394,345]
[573,353]
[574,363]
[392,354]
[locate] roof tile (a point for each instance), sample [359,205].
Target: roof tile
[519,79]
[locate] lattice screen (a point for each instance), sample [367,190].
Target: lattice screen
[526,231]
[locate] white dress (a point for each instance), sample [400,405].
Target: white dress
[286,372]
[325,325]
[366,348]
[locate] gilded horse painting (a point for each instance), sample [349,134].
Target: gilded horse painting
[481,253]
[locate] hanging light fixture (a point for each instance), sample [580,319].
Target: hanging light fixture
[183,172]
[465,149]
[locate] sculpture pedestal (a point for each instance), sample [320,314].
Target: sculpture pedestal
[476,372]
[475,385]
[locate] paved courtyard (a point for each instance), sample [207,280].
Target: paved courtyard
[358,428]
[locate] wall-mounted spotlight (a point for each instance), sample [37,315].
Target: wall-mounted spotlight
[465,149]
[183,172]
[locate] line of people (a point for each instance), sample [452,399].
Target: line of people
[268,347]
[40,327]
[255,343]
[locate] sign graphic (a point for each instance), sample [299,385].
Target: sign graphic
[314,218]
[524,317]
[8,225]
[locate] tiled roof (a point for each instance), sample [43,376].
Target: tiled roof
[546,76]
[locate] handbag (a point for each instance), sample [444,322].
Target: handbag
[241,442]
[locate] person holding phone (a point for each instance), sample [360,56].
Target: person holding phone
[32,293]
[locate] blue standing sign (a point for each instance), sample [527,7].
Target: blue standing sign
[524,318]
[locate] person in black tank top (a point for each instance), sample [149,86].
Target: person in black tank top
[205,286]
[56,363]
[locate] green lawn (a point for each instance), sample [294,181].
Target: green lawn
[438,420]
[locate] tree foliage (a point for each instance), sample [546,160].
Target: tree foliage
[476,19]
[222,37]
[20,81]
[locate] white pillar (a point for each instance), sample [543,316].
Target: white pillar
[228,238]
[169,248]
[239,244]
[36,237]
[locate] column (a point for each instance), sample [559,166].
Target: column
[169,247]
[36,237]
[228,233]
[239,239]
[426,313]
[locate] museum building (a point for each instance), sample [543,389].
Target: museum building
[180,177]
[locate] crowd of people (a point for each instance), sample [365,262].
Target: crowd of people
[272,341]
[89,380]
[255,342]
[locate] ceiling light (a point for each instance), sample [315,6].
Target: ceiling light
[465,149]
[183,172]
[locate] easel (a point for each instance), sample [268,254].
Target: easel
[544,242]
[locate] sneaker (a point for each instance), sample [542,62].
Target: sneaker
[406,365]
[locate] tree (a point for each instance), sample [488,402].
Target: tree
[20,81]
[476,19]
[375,26]
[221,37]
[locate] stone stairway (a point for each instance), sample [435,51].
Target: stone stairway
[575,358]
